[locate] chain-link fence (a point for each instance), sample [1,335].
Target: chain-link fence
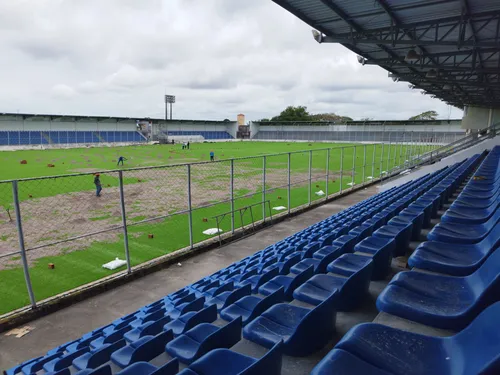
[56,233]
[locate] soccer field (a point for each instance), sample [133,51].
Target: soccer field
[57,209]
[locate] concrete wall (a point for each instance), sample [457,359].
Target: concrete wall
[448,128]
[229,127]
[46,124]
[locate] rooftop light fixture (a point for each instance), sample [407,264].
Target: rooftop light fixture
[412,56]
[318,37]
[431,73]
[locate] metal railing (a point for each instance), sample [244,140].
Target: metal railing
[56,234]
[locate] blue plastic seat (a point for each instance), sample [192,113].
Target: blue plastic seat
[401,235]
[143,349]
[381,250]
[147,329]
[64,361]
[340,362]
[35,366]
[224,299]
[111,337]
[297,326]
[463,233]
[201,339]
[145,368]
[446,302]
[289,283]
[378,349]
[257,280]
[351,288]
[249,307]
[17,369]
[97,357]
[454,259]
[191,319]
[227,362]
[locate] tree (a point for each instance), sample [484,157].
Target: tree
[330,117]
[367,119]
[293,114]
[264,120]
[429,115]
[227,120]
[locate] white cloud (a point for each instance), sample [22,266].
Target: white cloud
[219,57]
[62,91]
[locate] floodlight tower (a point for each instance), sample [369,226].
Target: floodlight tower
[169,99]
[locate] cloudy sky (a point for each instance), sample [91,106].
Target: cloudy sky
[219,57]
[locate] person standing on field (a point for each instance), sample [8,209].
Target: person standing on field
[212,156]
[121,159]
[98,186]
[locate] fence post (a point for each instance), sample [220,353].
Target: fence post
[264,189]
[389,155]
[327,172]
[373,160]
[190,206]
[353,167]
[382,161]
[364,163]
[124,222]
[411,149]
[289,181]
[232,196]
[341,166]
[20,234]
[310,175]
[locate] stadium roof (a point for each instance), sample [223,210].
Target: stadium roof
[449,49]
[32,116]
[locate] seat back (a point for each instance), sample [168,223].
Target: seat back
[269,364]
[488,274]
[479,344]
[225,337]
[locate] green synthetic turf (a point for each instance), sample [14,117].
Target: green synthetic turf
[75,268]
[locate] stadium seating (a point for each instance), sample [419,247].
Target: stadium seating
[285,297]
[204,134]
[380,350]
[20,137]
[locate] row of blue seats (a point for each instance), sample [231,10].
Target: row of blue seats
[54,137]
[204,134]
[328,265]
[463,297]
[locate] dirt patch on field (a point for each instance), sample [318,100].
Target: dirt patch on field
[157,192]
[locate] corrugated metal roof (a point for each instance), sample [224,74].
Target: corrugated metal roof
[457,38]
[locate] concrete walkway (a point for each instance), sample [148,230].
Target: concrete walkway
[72,322]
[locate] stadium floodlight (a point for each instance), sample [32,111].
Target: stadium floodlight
[431,73]
[361,60]
[318,37]
[169,99]
[412,56]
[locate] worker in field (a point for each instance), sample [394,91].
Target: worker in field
[188,145]
[97,183]
[121,159]
[212,156]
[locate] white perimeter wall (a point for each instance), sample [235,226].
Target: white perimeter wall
[230,127]
[17,123]
[255,128]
